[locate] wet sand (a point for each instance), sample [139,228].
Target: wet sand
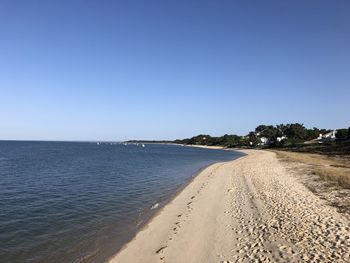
[247,210]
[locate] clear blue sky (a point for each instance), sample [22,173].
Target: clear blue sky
[116,70]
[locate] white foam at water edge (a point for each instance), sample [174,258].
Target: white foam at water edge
[154,206]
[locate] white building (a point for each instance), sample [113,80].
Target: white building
[330,136]
[264,141]
[279,139]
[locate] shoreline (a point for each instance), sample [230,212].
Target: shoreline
[148,221]
[206,147]
[149,214]
[234,211]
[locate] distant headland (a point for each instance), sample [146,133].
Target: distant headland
[293,136]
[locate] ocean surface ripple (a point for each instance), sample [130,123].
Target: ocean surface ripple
[81,201]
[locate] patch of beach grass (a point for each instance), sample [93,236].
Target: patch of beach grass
[329,168]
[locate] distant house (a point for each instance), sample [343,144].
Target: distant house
[264,141]
[330,136]
[279,139]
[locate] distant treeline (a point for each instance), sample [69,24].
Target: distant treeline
[286,136]
[282,135]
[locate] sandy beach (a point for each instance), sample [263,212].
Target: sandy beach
[207,147]
[247,210]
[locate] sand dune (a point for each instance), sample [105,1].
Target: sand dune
[247,210]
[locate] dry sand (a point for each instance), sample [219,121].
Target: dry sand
[206,146]
[247,210]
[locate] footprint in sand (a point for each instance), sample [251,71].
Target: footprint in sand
[160,250]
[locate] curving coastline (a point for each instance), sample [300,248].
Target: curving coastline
[245,210]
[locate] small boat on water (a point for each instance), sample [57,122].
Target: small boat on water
[143,146]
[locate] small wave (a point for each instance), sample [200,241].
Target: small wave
[154,206]
[87,257]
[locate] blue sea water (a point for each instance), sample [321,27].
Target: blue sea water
[81,201]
